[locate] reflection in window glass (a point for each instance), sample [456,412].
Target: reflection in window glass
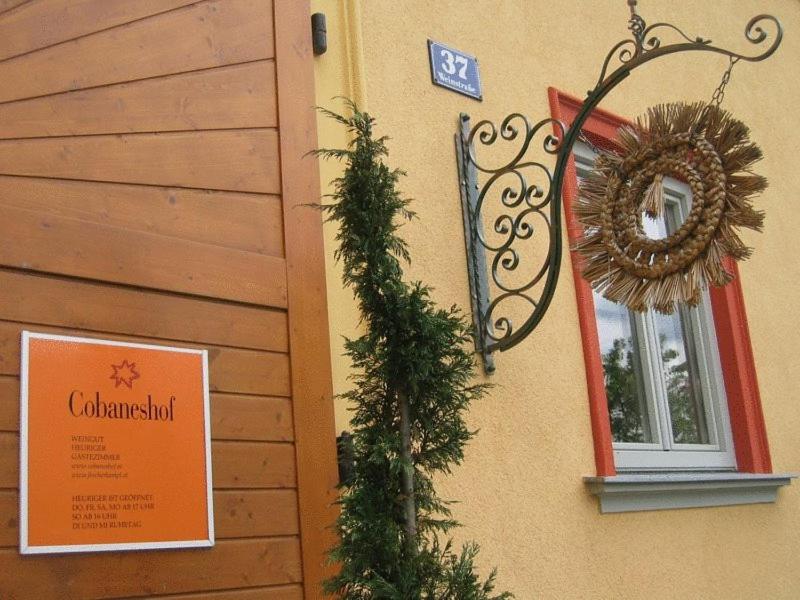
[677,363]
[681,378]
[666,398]
[627,405]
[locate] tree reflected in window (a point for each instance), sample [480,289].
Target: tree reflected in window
[622,389]
[626,406]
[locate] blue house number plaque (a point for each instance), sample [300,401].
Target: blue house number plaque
[455,70]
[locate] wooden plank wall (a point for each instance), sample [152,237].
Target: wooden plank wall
[141,199]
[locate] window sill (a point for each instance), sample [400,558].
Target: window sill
[660,491]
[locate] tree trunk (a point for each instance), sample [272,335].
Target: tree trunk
[407,478]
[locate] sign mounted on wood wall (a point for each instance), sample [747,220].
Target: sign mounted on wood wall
[115,447]
[455,70]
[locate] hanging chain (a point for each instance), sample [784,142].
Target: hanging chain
[719,93]
[716,97]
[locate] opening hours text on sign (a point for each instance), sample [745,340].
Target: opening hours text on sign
[115,449]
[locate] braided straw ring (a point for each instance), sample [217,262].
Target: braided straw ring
[696,143]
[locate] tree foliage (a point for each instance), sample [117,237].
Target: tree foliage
[411,357]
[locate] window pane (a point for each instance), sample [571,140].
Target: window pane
[681,378]
[679,362]
[627,404]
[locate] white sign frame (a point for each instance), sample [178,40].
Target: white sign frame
[24,546]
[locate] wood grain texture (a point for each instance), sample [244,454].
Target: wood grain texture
[235,464]
[235,417]
[238,160]
[139,173]
[249,222]
[224,98]
[9,403]
[9,461]
[7,5]
[252,465]
[237,514]
[310,360]
[61,302]
[50,244]
[253,513]
[230,370]
[282,592]
[9,518]
[230,564]
[249,372]
[201,36]
[40,24]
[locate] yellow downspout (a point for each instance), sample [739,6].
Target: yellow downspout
[357,83]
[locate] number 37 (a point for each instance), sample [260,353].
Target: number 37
[451,61]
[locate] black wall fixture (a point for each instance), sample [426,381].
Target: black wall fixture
[498,286]
[319,33]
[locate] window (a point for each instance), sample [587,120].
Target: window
[685,393]
[663,380]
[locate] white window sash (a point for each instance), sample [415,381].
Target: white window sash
[664,453]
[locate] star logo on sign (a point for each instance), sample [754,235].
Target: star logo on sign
[124,373]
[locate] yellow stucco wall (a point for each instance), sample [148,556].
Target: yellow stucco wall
[521,491]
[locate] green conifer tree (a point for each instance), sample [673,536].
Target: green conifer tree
[412,386]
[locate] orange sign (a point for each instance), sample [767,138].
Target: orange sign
[115,446]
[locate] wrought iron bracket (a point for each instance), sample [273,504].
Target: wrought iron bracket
[523,190]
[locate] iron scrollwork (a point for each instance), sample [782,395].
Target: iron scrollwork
[501,212]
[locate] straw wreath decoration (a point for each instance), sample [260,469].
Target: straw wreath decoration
[700,144]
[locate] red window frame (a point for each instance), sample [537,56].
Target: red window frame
[730,321]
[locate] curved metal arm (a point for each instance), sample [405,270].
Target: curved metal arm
[522,202]
[645,46]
